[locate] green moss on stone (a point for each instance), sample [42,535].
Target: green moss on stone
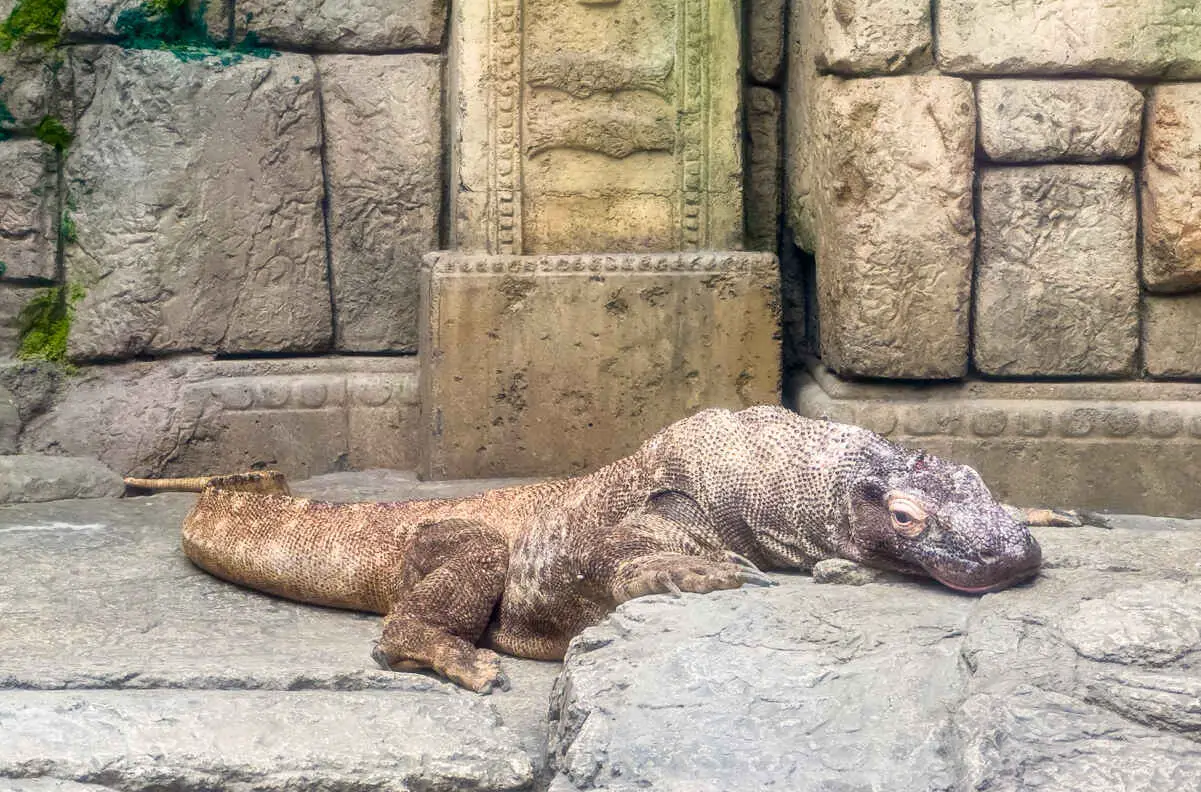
[52,132]
[168,25]
[35,21]
[45,322]
[67,227]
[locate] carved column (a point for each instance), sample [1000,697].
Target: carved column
[595,178]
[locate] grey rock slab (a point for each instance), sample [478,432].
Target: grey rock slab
[345,26]
[1086,678]
[383,164]
[32,383]
[30,478]
[1130,38]
[1170,189]
[89,20]
[28,209]
[195,192]
[1059,120]
[1057,290]
[27,85]
[1171,331]
[260,740]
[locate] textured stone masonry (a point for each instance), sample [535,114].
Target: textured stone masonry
[1171,189]
[382,165]
[871,37]
[763,169]
[891,189]
[195,195]
[344,26]
[540,365]
[28,209]
[1172,335]
[1057,282]
[1059,120]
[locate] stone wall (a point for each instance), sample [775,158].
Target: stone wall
[1036,166]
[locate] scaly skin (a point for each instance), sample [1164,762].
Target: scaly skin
[702,506]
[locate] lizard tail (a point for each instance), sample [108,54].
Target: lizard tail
[263,481]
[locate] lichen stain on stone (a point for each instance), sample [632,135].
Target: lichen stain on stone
[617,305]
[515,290]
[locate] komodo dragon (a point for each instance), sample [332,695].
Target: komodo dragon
[704,505]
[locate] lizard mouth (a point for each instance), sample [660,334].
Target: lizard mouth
[1025,574]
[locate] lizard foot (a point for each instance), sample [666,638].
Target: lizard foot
[670,573]
[480,672]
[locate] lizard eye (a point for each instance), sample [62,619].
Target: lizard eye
[908,517]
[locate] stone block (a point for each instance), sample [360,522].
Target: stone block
[891,189]
[122,20]
[595,127]
[870,37]
[192,416]
[12,300]
[344,26]
[33,478]
[558,364]
[383,155]
[27,87]
[763,171]
[1172,335]
[765,20]
[195,201]
[28,209]
[1127,447]
[1059,120]
[1171,189]
[1057,280]
[1136,38]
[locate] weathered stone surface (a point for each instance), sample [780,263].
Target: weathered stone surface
[32,383]
[30,478]
[1142,38]
[595,127]
[764,171]
[191,416]
[892,167]
[1118,446]
[537,365]
[765,19]
[28,208]
[200,683]
[90,20]
[345,26]
[1059,120]
[868,37]
[195,194]
[1171,189]
[10,422]
[1057,279]
[27,82]
[1086,674]
[383,127]
[12,300]
[1172,335]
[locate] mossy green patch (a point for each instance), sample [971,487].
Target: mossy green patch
[52,132]
[168,25]
[45,322]
[34,21]
[67,227]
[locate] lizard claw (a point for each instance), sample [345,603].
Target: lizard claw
[666,582]
[755,578]
[377,654]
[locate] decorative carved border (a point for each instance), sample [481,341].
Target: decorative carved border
[504,111]
[450,262]
[692,147]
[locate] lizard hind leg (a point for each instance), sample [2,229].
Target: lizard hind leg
[450,581]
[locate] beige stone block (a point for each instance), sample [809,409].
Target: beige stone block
[28,204]
[1057,280]
[585,127]
[342,26]
[765,19]
[1127,447]
[1059,120]
[1172,335]
[870,37]
[383,153]
[304,416]
[892,167]
[541,365]
[1170,182]
[195,198]
[763,171]
[1131,38]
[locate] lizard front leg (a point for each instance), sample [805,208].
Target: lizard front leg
[449,583]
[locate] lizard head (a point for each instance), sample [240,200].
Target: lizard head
[923,515]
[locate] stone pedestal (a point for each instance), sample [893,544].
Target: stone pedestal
[546,365]
[1129,447]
